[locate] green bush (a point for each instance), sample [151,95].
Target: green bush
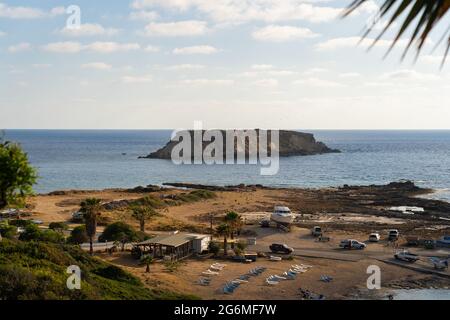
[78,235]
[58,226]
[21,223]
[119,231]
[7,231]
[214,248]
[33,233]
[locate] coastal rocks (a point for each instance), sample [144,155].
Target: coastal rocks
[148,189]
[292,143]
[240,187]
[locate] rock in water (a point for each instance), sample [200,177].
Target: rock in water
[292,143]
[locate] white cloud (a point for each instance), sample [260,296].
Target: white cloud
[432,59]
[136,79]
[152,49]
[101,47]
[97,66]
[176,29]
[276,33]
[349,75]
[20,47]
[196,50]
[57,11]
[180,67]
[267,82]
[352,42]
[144,15]
[262,67]
[2,34]
[63,47]
[41,65]
[109,47]
[238,11]
[407,74]
[88,30]
[21,12]
[316,82]
[207,82]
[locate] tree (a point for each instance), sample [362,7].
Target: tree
[224,231]
[142,214]
[58,226]
[425,14]
[147,260]
[91,209]
[78,235]
[17,176]
[234,220]
[120,232]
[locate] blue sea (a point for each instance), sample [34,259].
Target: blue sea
[98,159]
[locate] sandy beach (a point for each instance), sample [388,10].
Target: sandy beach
[344,213]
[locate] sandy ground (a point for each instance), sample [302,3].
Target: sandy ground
[347,277]
[348,269]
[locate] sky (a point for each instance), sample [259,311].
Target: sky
[164,64]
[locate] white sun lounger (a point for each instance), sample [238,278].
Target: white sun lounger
[271,282]
[210,273]
[273,258]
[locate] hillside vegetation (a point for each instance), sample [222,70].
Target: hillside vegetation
[37,271]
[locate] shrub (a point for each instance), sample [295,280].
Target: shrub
[78,235]
[58,226]
[8,231]
[214,248]
[33,233]
[119,231]
[20,223]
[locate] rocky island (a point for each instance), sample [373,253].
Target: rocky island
[292,143]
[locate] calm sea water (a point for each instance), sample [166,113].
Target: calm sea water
[75,159]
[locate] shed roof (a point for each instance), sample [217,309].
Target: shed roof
[172,240]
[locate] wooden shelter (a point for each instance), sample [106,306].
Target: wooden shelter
[176,246]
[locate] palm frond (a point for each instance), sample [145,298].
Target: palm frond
[424,14]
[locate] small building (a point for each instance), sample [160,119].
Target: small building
[175,245]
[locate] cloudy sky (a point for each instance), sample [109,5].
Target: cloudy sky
[150,64]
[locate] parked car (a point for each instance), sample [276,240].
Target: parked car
[393,235]
[283,248]
[78,216]
[374,237]
[405,255]
[316,232]
[352,244]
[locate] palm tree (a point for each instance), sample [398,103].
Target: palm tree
[91,209]
[224,230]
[142,214]
[234,220]
[147,260]
[426,13]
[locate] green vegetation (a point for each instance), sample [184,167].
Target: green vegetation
[37,271]
[78,235]
[142,214]
[16,175]
[426,15]
[121,232]
[7,231]
[214,248]
[33,233]
[91,209]
[58,226]
[224,231]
